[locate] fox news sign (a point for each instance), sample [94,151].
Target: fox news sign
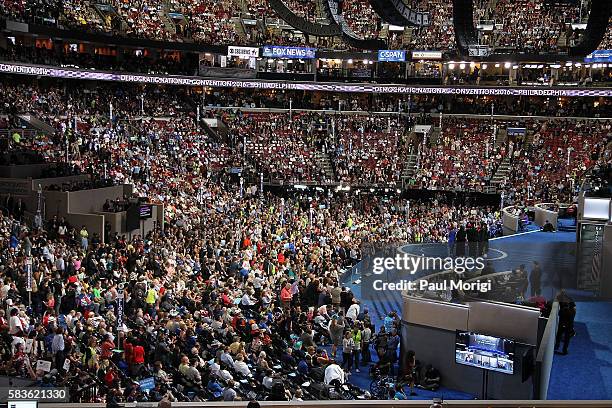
[273,51]
[392,55]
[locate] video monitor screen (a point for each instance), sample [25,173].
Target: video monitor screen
[597,208]
[486,352]
[146,211]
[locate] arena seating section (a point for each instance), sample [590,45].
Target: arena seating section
[524,25]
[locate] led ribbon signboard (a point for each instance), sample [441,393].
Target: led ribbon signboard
[74,73]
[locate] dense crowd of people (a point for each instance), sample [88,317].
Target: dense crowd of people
[463,157]
[283,147]
[549,169]
[532,26]
[369,149]
[208,21]
[315,147]
[361,18]
[526,25]
[235,287]
[440,33]
[239,293]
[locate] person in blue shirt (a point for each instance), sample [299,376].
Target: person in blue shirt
[302,367]
[399,393]
[389,321]
[14,242]
[392,345]
[452,234]
[215,388]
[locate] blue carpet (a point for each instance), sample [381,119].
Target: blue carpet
[586,372]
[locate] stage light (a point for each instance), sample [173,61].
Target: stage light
[484,66]
[462,66]
[451,66]
[507,65]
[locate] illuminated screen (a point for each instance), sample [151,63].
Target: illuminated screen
[597,208]
[486,352]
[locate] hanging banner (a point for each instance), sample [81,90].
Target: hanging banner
[392,55]
[120,307]
[599,56]
[242,52]
[28,268]
[274,51]
[427,55]
[75,73]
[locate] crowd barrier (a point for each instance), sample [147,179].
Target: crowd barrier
[333,112]
[543,213]
[509,220]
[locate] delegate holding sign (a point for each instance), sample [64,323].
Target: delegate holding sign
[274,51]
[392,55]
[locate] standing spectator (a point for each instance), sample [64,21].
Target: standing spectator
[348,344]
[286,296]
[57,348]
[84,234]
[357,338]
[535,279]
[567,314]
[366,337]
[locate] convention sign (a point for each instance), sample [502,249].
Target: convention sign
[180,80]
[274,51]
[392,55]
[242,52]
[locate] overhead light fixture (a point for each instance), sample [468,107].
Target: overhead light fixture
[497,65]
[507,65]
[484,66]
[451,66]
[462,66]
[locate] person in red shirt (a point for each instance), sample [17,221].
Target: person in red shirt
[246,243]
[138,355]
[286,296]
[107,348]
[128,346]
